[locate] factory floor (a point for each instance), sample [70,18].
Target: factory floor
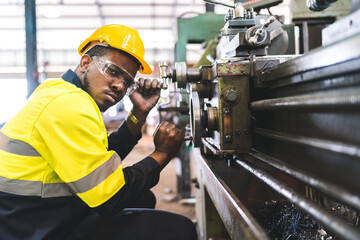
[166,190]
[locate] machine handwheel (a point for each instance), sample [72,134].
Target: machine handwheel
[195,122]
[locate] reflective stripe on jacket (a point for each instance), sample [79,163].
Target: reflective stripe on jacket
[57,146]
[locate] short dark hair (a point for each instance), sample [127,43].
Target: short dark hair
[98,51]
[101,51]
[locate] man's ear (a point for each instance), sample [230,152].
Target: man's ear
[84,62]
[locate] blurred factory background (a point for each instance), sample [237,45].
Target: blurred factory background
[267,90]
[61,25]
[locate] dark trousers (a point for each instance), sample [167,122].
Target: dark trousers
[138,222]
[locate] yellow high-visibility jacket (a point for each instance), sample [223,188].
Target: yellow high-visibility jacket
[43,153]
[56,161]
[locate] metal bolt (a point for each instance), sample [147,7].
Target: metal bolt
[231,95]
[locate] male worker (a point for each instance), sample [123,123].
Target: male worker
[61,175]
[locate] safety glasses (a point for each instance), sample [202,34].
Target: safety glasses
[114,72]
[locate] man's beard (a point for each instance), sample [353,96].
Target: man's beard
[87,88]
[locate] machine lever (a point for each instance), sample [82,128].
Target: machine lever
[259,34]
[230,5]
[238,7]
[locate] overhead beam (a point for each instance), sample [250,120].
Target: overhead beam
[97,15]
[118,4]
[79,28]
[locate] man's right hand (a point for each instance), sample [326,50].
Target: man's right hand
[167,140]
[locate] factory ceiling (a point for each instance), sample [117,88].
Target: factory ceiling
[63,24]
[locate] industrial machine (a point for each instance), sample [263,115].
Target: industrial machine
[276,136]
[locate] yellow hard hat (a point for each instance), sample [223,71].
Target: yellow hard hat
[119,37]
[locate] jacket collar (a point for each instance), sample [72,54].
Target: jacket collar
[71,77]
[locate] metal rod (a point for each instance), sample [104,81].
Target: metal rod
[334,224]
[305,37]
[339,98]
[326,187]
[318,59]
[231,5]
[338,147]
[32,74]
[111,5]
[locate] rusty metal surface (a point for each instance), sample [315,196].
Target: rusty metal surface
[238,221]
[232,69]
[233,97]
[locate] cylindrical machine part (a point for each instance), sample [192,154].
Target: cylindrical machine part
[163,67]
[319,5]
[180,74]
[212,118]
[193,75]
[251,13]
[239,10]
[195,118]
[205,90]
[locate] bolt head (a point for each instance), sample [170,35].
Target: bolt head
[231,95]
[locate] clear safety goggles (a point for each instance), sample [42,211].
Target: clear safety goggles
[114,72]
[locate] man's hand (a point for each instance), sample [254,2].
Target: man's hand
[145,97]
[167,140]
